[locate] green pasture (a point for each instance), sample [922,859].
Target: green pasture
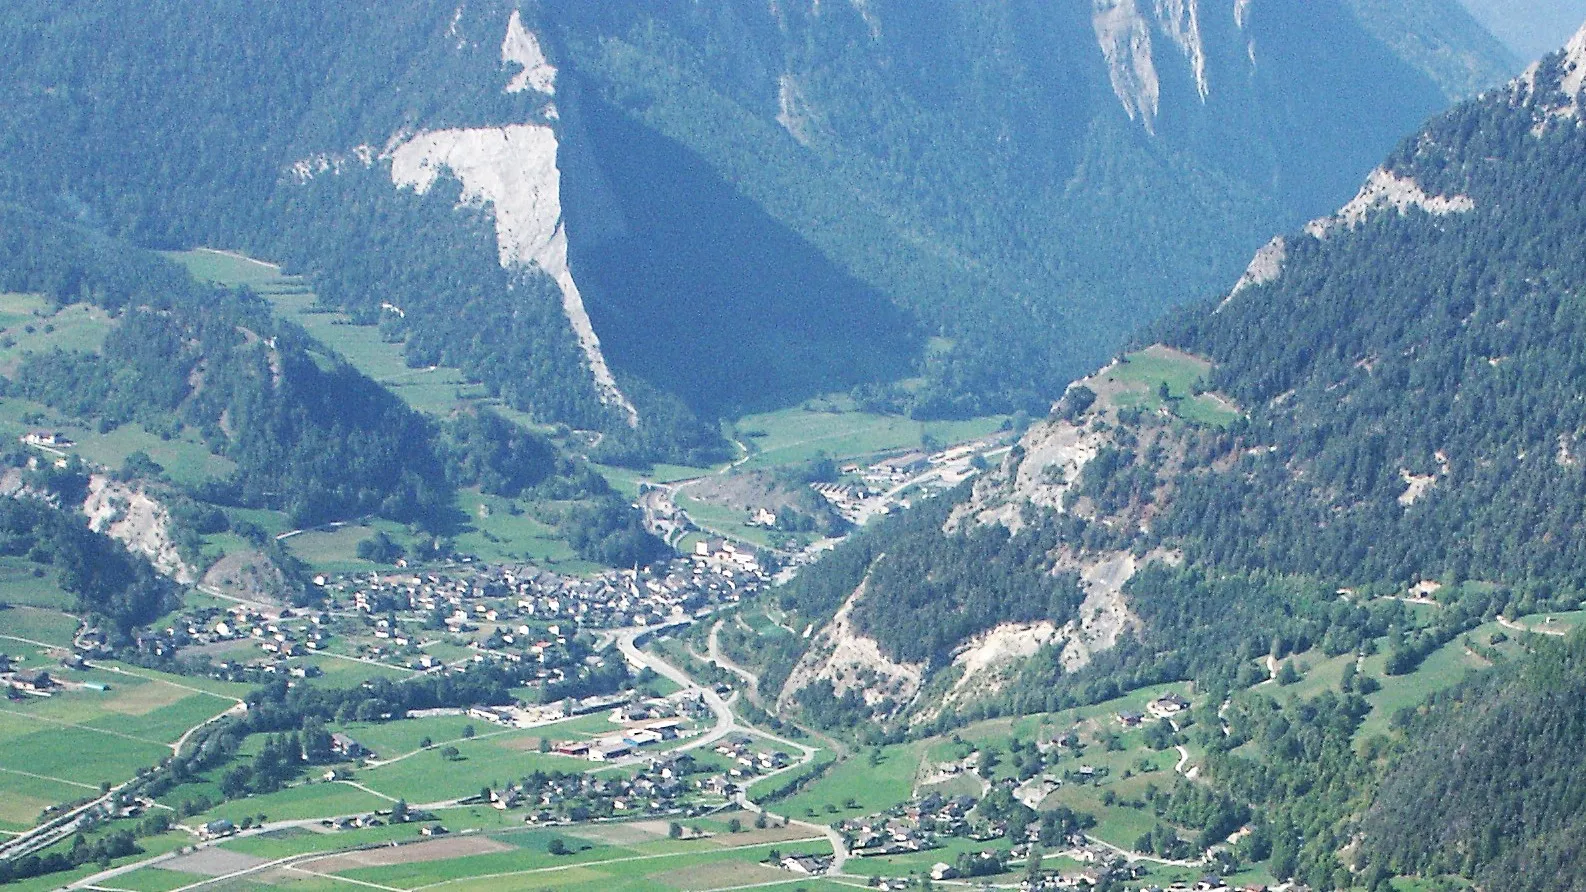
[49,626]
[731,523]
[316,799]
[659,864]
[1441,670]
[832,426]
[496,534]
[487,760]
[61,747]
[919,863]
[25,583]
[874,787]
[185,457]
[31,324]
[1141,374]
[155,845]
[437,390]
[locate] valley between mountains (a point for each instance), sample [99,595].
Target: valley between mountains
[791,445]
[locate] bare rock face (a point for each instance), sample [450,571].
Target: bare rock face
[137,520]
[513,171]
[1554,86]
[1387,191]
[850,660]
[1124,31]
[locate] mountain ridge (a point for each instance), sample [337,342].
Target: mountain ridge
[1398,432]
[1000,188]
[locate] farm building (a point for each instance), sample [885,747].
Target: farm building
[343,745]
[32,680]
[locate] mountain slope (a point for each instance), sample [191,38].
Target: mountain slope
[1384,411]
[642,217]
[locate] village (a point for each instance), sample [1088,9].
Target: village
[428,621]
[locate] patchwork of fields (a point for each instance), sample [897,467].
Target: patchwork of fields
[101,726]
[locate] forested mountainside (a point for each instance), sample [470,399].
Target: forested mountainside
[1493,788]
[115,591]
[304,432]
[642,217]
[309,435]
[1385,410]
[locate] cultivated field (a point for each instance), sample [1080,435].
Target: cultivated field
[61,748]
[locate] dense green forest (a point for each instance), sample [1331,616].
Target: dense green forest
[925,593]
[1410,393]
[1492,788]
[309,434]
[1446,348]
[762,204]
[1075,223]
[114,589]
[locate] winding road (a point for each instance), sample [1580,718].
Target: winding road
[726,722]
[1512,625]
[627,642]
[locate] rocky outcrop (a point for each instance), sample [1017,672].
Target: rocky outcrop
[851,660]
[1124,37]
[1388,191]
[513,171]
[1559,97]
[1040,472]
[1124,31]
[521,47]
[137,520]
[1265,268]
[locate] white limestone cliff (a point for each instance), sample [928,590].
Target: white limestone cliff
[522,47]
[513,171]
[1386,190]
[1124,31]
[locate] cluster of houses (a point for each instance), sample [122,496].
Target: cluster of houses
[808,865]
[663,784]
[20,683]
[1217,884]
[30,681]
[1164,707]
[658,595]
[853,501]
[47,439]
[512,615]
[668,716]
[914,826]
[209,627]
[746,760]
[732,559]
